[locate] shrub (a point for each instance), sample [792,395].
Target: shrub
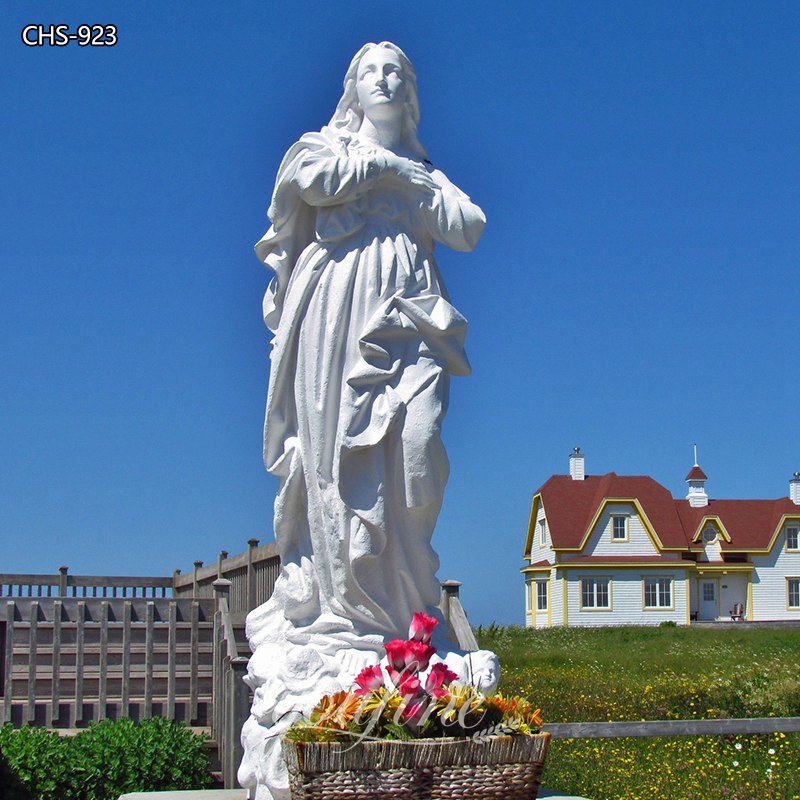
[104,761]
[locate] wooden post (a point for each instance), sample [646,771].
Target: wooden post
[172,645]
[195,583]
[147,712]
[126,658]
[251,576]
[55,696]
[80,632]
[30,712]
[194,661]
[223,554]
[9,661]
[102,710]
[239,711]
[62,581]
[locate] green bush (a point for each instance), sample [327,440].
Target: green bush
[104,761]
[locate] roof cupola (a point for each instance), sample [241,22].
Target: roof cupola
[696,479]
[576,467]
[794,489]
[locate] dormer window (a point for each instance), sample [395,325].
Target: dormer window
[619,528]
[710,535]
[793,537]
[542,533]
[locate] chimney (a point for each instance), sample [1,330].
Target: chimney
[794,489]
[696,479]
[576,468]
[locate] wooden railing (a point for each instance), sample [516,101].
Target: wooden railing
[252,576]
[66,585]
[232,699]
[672,727]
[67,661]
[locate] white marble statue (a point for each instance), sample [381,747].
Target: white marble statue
[365,341]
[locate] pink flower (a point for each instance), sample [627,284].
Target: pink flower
[395,653]
[407,684]
[369,679]
[422,627]
[415,710]
[411,656]
[439,675]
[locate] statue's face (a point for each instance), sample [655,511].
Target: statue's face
[380,84]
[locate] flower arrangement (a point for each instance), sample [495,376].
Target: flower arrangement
[410,699]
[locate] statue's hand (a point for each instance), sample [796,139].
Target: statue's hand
[407,171]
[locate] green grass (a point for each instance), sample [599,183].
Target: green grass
[627,673]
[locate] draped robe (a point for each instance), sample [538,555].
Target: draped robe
[365,341]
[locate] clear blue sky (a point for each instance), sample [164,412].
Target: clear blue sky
[635,290]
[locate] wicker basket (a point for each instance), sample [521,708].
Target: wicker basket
[496,768]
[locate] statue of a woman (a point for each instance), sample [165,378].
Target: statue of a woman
[365,343]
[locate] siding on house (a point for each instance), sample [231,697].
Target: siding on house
[627,598]
[770,590]
[600,542]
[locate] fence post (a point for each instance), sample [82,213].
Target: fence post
[238,710]
[195,585]
[62,581]
[223,554]
[251,576]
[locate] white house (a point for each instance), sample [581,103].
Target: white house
[620,550]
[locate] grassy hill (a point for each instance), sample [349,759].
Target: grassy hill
[581,674]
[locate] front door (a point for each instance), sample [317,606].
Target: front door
[709,599]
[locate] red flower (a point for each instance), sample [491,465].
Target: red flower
[439,675]
[422,627]
[411,656]
[415,710]
[369,679]
[407,684]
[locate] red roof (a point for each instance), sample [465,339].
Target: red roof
[749,523]
[571,506]
[696,474]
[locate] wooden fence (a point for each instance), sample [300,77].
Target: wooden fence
[68,661]
[252,577]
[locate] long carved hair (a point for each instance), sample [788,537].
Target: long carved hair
[349,115]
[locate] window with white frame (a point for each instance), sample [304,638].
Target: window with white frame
[793,588]
[542,533]
[596,593]
[793,537]
[709,596]
[527,595]
[541,595]
[657,592]
[619,528]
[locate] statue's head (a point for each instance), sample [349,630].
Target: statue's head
[381,81]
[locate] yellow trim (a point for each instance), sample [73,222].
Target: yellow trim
[535,569]
[786,547]
[725,567]
[627,538]
[679,564]
[788,607]
[648,526]
[750,597]
[537,500]
[609,607]
[688,591]
[550,602]
[781,525]
[671,580]
[711,519]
